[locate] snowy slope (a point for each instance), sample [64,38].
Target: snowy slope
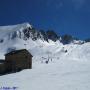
[58,75]
[5,30]
[68,67]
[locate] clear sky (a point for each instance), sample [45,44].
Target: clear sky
[63,16]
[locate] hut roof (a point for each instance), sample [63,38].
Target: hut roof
[17,51]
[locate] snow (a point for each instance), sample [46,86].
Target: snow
[4,30]
[65,70]
[14,27]
[58,75]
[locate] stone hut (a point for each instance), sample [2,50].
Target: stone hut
[18,60]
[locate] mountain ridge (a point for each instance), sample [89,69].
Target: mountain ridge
[28,30]
[37,41]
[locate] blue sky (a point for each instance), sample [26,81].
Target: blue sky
[63,16]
